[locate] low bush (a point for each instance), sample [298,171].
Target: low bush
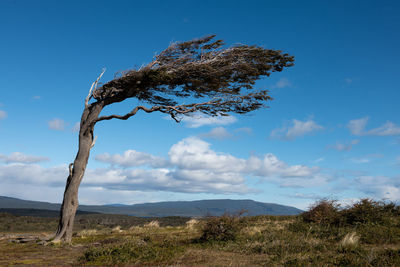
[224,228]
[368,211]
[323,212]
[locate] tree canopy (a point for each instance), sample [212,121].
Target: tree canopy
[218,80]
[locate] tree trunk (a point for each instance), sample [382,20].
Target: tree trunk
[76,172]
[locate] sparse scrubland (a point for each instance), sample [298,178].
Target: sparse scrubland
[366,233]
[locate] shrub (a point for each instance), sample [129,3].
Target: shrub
[224,228]
[323,212]
[364,212]
[368,211]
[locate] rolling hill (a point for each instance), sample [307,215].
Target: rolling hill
[197,208]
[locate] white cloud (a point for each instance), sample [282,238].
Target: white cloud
[362,185]
[296,129]
[318,160]
[380,187]
[18,157]
[388,128]
[357,127]
[182,181]
[346,146]
[389,192]
[157,179]
[367,158]
[197,120]
[191,167]
[42,192]
[360,160]
[104,177]
[303,182]
[246,130]
[221,133]
[3,114]
[132,158]
[33,174]
[282,83]
[218,133]
[196,154]
[306,196]
[36,97]
[341,147]
[96,195]
[271,166]
[57,124]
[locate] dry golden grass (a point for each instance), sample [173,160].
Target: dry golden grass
[350,240]
[152,224]
[259,241]
[87,232]
[117,229]
[192,223]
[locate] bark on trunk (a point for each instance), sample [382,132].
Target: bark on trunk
[70,201]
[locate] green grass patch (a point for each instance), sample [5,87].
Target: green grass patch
[132,252]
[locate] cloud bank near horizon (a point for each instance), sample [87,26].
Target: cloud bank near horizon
[191,167]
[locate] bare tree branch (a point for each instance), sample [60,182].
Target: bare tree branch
[94,141]
[70,168]
[214,107]
[128,115]
[94,84]
[172,110]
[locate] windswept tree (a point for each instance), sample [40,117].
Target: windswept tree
[212,79]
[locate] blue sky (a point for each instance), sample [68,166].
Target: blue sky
[333,129]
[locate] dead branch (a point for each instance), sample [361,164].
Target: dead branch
[70,168]
[94,85]
[172,110]
[94,142]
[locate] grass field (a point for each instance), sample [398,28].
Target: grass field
[366,234]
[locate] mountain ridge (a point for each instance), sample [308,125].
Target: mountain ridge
[196,208]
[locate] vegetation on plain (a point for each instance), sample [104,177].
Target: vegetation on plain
[366,233]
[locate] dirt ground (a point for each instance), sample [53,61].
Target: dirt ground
[29,250]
